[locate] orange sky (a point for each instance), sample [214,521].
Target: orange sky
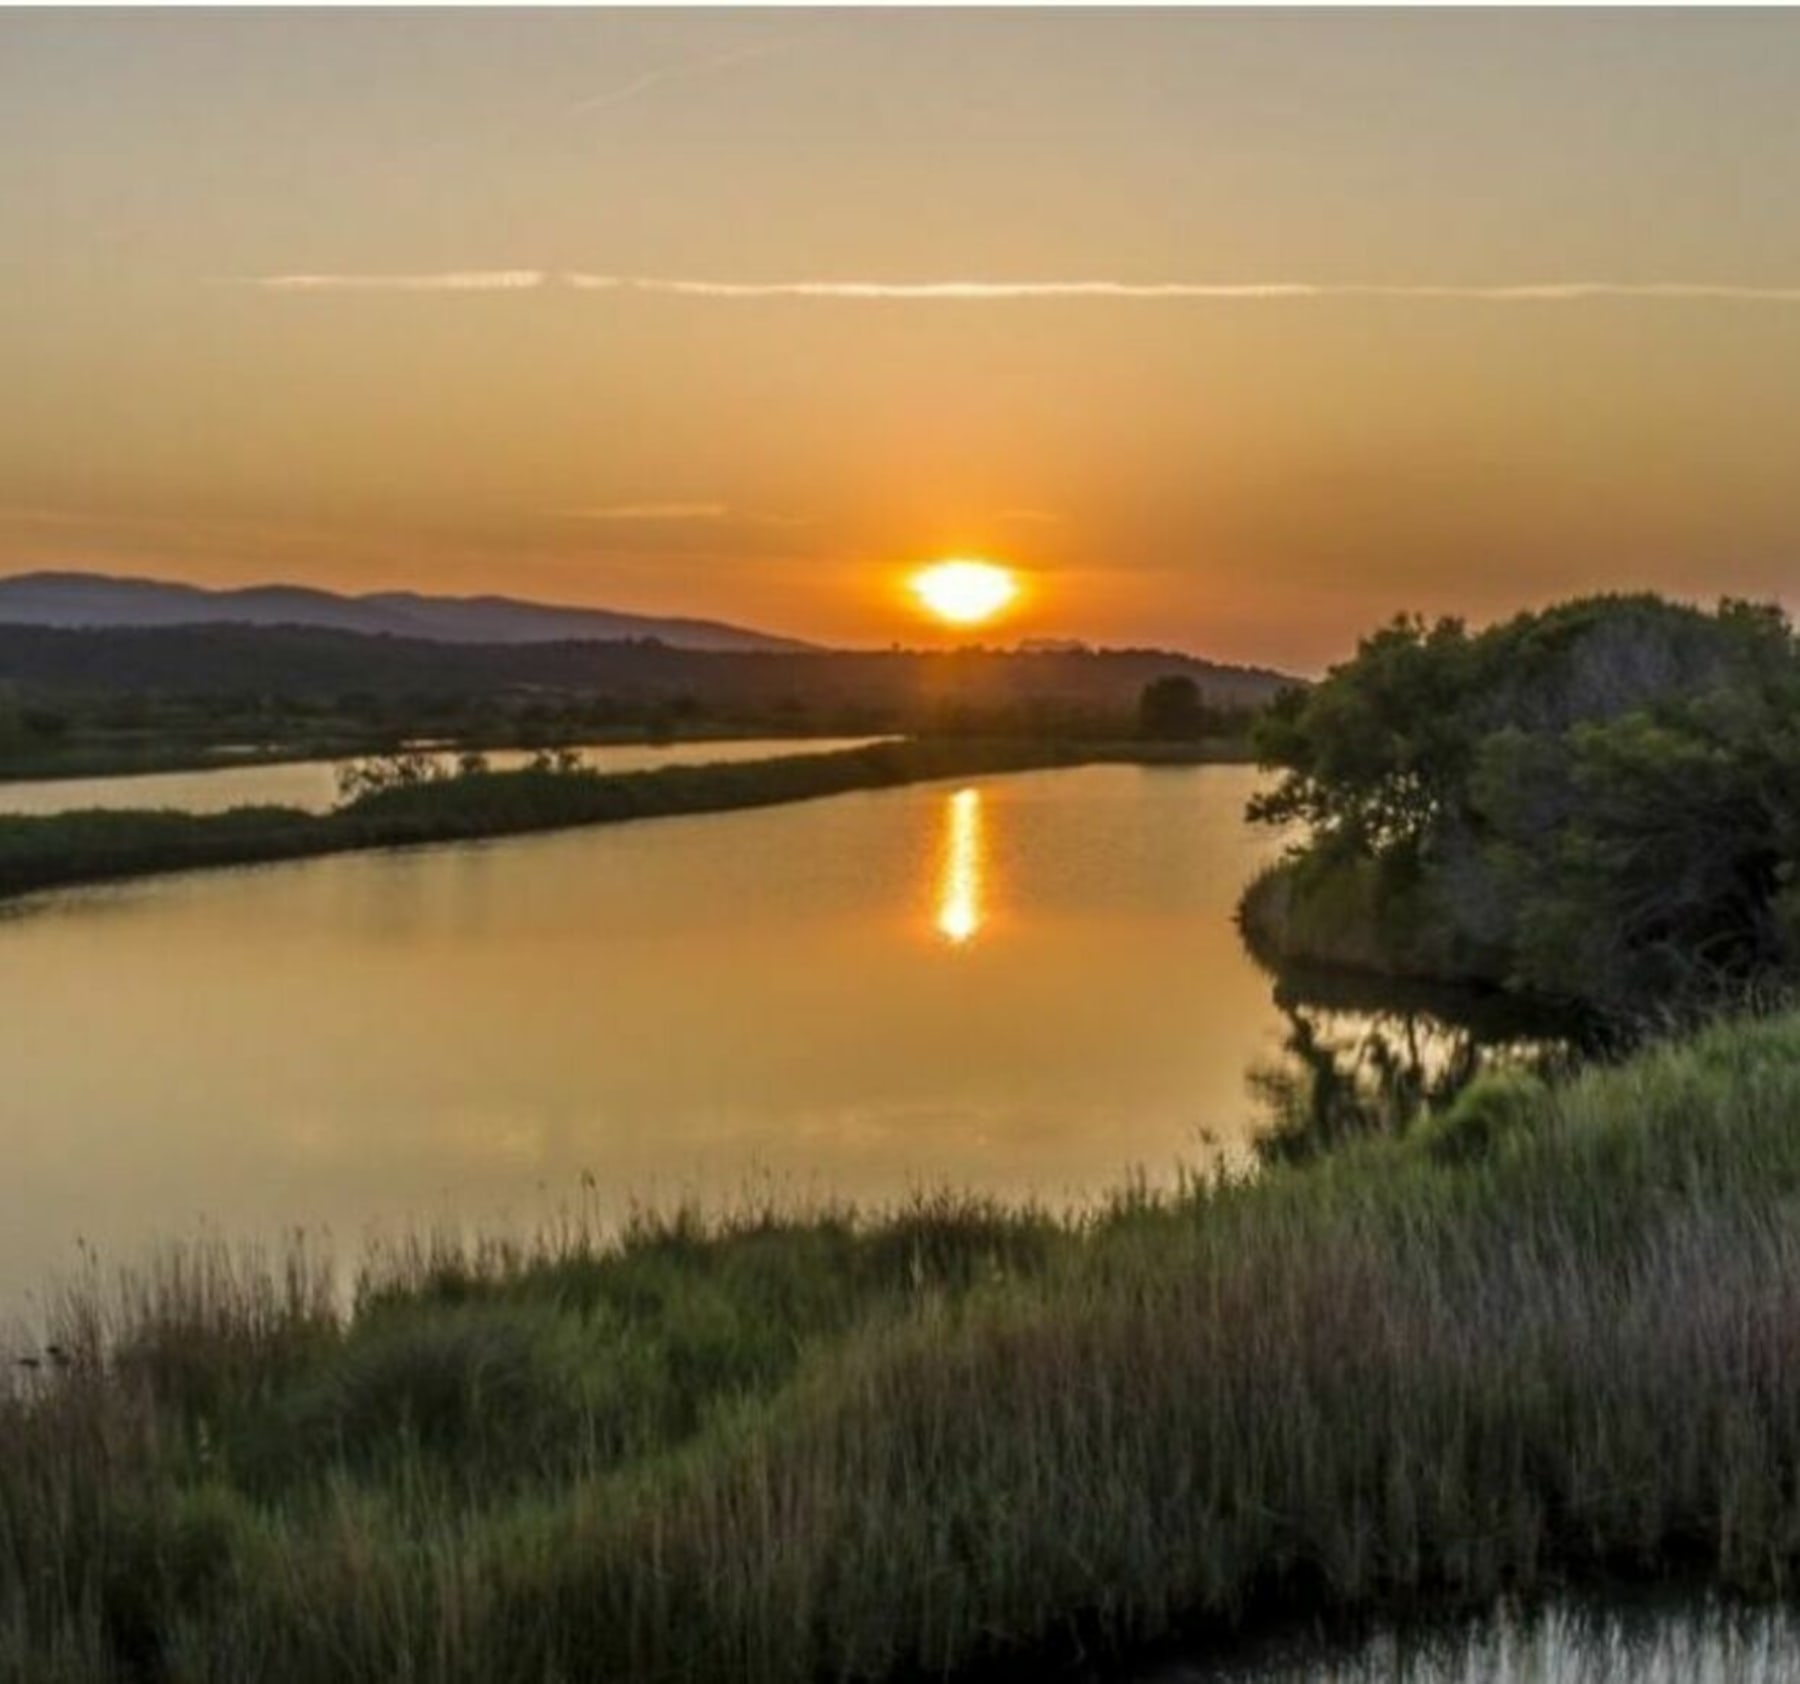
[1257,477]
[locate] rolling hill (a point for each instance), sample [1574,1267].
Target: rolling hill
[96,601]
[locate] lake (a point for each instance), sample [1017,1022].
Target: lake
[1030,985]
[311,785]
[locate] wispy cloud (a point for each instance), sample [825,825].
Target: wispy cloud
[1526,292]
[451,280]
[678,72]
[651,511]
[632,513]
[974,291]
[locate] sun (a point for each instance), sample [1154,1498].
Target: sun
[963,592]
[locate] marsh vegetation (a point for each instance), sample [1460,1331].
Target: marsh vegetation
[1548,1335]
[404,799]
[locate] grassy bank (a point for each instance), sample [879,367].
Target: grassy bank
[94,846]
[1553,1332]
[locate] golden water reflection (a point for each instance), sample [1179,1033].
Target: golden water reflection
[759,1004]
[960,911]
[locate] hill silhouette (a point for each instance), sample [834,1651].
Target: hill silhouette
[97,601]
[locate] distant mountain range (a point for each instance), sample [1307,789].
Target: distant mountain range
[96,601]
[87,635]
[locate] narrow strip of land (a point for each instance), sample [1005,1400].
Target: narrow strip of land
[64,849]
[92,757]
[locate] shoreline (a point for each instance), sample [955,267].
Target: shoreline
[1340,918]
[231,756]
[67,850]
[954,1438]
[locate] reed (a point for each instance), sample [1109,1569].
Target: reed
[951,1438]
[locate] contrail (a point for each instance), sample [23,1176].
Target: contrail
[455,280]
[679,72]
[689,512]
[974,291]
[979,291]
[652,511]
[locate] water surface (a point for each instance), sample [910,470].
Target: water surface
[1025,985]
[311,785]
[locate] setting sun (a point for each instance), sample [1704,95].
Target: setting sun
[964,592]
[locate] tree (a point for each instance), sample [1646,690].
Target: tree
[1376,753]
[1601,800]
[44,723]
[1651,857]
[1171,707]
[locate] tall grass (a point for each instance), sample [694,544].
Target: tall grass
[1532,1342]
[1610,1640]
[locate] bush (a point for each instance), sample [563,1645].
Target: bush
[1482,1117]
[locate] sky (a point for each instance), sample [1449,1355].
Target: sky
[1236,332]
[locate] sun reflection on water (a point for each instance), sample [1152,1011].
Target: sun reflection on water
[959,895]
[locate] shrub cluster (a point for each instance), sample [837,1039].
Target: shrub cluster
[1599,802]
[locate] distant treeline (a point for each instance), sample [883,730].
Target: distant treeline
[308,666]
[105,700]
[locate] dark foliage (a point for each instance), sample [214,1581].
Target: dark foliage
[1599,802]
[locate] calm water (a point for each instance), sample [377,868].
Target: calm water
[312,784]
[1029,985]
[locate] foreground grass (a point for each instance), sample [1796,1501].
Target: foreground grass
[94,846]
[1556,1331]
[1611,1639]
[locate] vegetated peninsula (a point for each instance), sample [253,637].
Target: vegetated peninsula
[408,800]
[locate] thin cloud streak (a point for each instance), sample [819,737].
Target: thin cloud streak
[679,72]
[1528,292]
[1531,292]
[631,513]
[652,511]
[454,280]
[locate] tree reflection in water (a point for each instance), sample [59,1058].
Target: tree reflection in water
[1365,1058]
